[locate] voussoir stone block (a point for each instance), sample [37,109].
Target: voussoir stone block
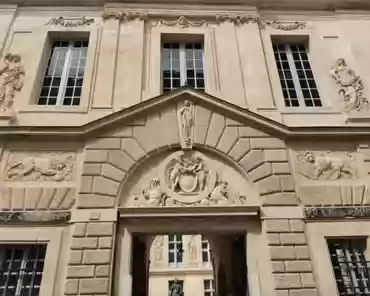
[105,186]
[280,168]
[105,143]
[112,172]
[276,155]
[96,257]
[241,147]
[94,286]
[228,139]
[120,160]
[132,148]
[251,160]
[250,132]
[269,185]
[215,130]
[287,183]
[100,229]
[260,172]
[286,281]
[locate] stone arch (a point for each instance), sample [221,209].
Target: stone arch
[112,158]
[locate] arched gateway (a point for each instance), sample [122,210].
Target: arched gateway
[189,163]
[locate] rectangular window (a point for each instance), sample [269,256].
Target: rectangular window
[182,64]
[175,248]
[208,288]
[64,75]
[296,76]
[206,254]
[350,267]
[21,269]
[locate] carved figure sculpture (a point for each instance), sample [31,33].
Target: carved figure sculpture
[152,195]
[11,80]
[193,251]
[186,118]
[219,195]
[326,167]
[176,289]
[351,88]
[54,169]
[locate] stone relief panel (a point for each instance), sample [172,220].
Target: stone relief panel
[190,178]
[40,166]
[326,165]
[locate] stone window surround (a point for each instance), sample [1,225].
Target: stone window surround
[28,103]
[317,234]
[153,54]
[270,35]
[52,236]
[260,281]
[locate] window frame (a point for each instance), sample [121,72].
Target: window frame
[211,290]
[206,250]
[52,236]
[175,250]
[317,235]
[294,73]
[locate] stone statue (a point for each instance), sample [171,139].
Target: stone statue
[151,196]
[351,88]
[186,118]
[11,80]
[49,168]
[193,251]
[326,167]
[219,195]
[176,289]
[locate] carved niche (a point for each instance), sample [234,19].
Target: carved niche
[186,179]
[40,166]
[350,87]
[314,165]
[11,80]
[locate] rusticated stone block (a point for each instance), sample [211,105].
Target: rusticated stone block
[280,199]
[293,239]
[105,186]
[307,280]
[75,257]
[286,281]
[132,148]
[80,271]
[278,155]
[277,225]
[298,266]
[278,266]
[84,243]
[280,168]
[86,184]
[303,292]
[88,201]
[251,160]
[241,147]
[91,169]
[98,156]
[269,185]
[94,286]
[250,132]
[302,252]
[120,160]
[215,129]
[71,287]
[79,230]
[273,239]
[267,143]
[296,225]
[282,292]
[113,173]
[104,143]
[102,270]
[96,257]
[100,229]
[282,252]
[260,172]
[287,183]
[105,243]
[228,139]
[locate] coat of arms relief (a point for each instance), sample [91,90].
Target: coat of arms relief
[187,179]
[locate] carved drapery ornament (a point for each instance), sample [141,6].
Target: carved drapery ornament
[326,166]
[336,212]
[11,80]
[55,167]
[181,22]
[350,87]
[124,15]
[70,22]
[186,124]
[286,26]
[186,179]
[34,217]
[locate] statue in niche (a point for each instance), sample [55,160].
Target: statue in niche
[326,166]
[151,196]
[158,248]
[37,167]
[176,289]
[193,249]
[11,80]
[186,119]
[351,88]
[187,174]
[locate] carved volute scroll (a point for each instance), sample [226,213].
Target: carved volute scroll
[11,80]
[70,22]
[186,178]
[186,124]
[350,87]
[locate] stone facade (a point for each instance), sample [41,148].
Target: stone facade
[127,162]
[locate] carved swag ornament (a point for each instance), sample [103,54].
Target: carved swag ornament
[350,87]
[70,22]
[187,180]
[326,166]
[11,80]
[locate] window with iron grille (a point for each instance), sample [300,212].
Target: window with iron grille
[350,267]
[206,254]
[64,75]
[175,248]
[21,269]
[182,64]
[296,76]
[208,288]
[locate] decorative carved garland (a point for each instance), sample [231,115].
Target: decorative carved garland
[70,22]
[34,217]
[336,212]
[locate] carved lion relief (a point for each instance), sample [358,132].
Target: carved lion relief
[41,166]
[326,165]
[187,179]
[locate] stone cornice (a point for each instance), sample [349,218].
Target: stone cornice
[242,115]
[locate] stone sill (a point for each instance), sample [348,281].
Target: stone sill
[53,109]
[310,110]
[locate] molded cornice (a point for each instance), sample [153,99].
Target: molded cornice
[242,115]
